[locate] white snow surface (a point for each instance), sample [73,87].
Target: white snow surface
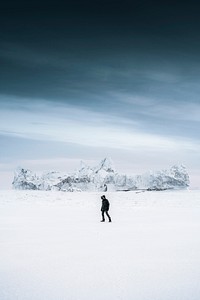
[53,246]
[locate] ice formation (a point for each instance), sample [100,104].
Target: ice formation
[103,177]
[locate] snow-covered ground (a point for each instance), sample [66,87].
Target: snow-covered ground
[53,246]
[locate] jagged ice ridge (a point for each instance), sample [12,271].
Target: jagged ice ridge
[103,177]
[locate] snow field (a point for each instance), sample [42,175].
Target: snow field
[53,246]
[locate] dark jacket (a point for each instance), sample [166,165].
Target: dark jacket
[105,205]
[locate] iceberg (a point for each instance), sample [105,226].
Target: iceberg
[102,177]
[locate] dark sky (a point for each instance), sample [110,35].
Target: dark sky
[128,71]
[55,50]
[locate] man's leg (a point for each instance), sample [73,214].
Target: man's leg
[103,218]
[108,216]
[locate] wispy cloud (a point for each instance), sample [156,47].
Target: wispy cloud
[160,108]
[65,123]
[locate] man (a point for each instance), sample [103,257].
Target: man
[105,208]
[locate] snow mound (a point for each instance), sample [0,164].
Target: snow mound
[103,177]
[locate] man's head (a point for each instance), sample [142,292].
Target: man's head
[103,197]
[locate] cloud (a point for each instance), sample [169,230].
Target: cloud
[159,108]
[66,123]
[44,165]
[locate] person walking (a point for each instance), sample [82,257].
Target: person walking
[105,208]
